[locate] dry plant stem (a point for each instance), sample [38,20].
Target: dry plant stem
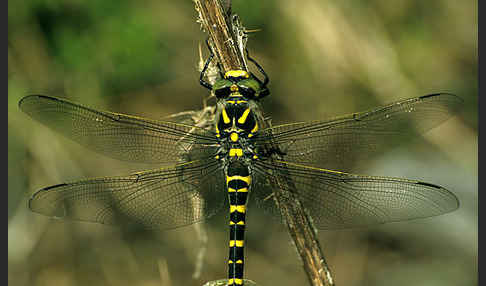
[215,22]
[305,238]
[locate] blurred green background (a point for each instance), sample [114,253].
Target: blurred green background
[324,59]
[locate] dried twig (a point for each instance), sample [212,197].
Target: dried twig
[228,45]
[216,23]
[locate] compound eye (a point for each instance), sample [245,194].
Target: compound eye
[247,92]
[223,92]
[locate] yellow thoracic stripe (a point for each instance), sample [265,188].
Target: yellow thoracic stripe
[236,101]
[243,117]
[226,119]
[239,261]
[238,208]
[235,152]
[238,243]
[217,130]
[246,179]
[255,129]
[242,190]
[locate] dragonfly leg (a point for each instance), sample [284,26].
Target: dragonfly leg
[265,91]
[206,65]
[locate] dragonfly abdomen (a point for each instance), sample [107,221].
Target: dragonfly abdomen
[238,182]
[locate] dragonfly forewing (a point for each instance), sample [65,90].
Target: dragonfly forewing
[335,144]
[120,136]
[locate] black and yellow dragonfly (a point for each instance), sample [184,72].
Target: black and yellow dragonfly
[221,166]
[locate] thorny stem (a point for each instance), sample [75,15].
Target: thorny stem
[304,237]
[228,49]
[216,23]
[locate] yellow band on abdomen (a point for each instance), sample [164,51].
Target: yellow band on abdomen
[246,179]
[238,208]
[237,243]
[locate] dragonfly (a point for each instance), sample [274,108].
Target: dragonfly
[205,170]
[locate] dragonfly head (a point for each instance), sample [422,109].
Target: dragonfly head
[239,83]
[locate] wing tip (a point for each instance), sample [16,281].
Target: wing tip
[454,205]
[24,100]
[429,185]
[53,211]
[450,96]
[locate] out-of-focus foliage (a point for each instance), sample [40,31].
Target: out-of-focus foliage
[324,58]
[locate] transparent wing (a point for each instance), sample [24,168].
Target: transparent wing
[339,200]
[162,199]
[338,143]
[119,136]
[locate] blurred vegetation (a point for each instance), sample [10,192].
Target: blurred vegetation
[324,58]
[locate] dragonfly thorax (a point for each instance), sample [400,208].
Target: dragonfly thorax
[241,151]
[236,126]
[236,120]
